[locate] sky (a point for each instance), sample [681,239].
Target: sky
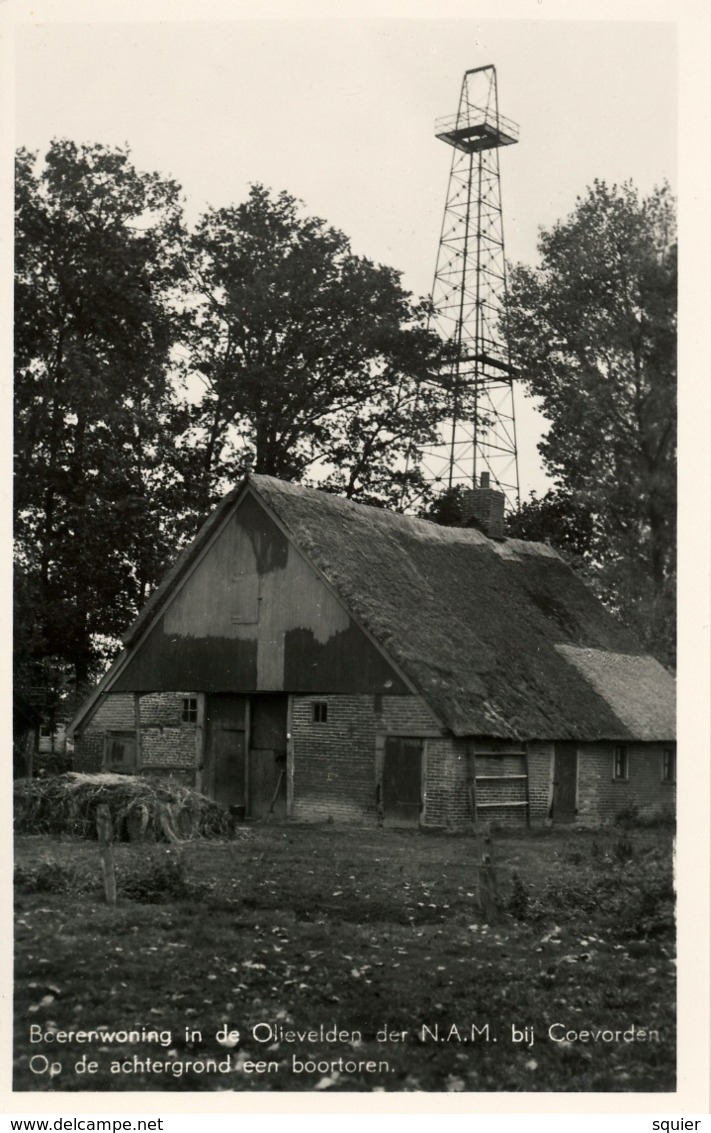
[340,112]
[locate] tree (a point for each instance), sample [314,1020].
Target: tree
[593,334]
[95,261]
[309,355]
[559,518]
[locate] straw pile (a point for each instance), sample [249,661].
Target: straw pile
[141,808]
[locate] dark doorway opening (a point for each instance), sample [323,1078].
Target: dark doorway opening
[224,768]
[565,782]
[402,781]
[267,755]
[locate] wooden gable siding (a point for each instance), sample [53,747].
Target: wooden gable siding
[254,616]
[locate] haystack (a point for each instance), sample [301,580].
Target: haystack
[141,807]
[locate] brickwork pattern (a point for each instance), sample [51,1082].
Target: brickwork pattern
[403,714]
[447,797]
[334,761]
[601,797]
[168,747]
[167,744]
[540,777]
[114,713]
[162,709]
[88,752]
[334,764]
[486,505]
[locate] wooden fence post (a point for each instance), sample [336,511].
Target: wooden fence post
[106,851]
[489,897]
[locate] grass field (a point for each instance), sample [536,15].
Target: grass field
[278,960]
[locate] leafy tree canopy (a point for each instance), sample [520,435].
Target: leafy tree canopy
[593,333]
[309,355]
[95,262]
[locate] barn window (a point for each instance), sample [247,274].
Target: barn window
[245,599]
[668,765]
[319,711]
[120,751]
[621,767]
[190,710]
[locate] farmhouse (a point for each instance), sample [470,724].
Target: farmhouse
[316,658]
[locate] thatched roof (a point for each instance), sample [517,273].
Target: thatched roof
[501,638]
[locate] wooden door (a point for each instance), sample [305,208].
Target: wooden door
[121,751]
[267,755]
[224,775]
[565,782]
[402,781]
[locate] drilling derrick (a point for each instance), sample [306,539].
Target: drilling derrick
[478,440]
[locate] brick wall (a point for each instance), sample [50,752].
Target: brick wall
[540,781]
[115,711]
[162,709]
[601,797]
[88,752]
[167,745]
[334,765]
[334,761]
[486,505]
[403,715]
[334,773]
[447,797]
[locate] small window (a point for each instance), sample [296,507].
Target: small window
[189,713]
[46,738]
[121,751]
[622,762]
[668,765]
[319,711]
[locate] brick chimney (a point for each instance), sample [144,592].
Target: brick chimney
[485,506]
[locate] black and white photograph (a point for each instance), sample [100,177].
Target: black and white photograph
[345,553]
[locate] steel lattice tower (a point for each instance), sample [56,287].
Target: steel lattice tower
[469,287]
